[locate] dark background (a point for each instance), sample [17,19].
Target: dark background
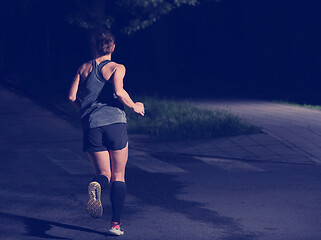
[232,48]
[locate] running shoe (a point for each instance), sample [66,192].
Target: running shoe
[116,229]
[94,206]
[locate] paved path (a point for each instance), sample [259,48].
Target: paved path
[297,128]
[290,134]
[264,186]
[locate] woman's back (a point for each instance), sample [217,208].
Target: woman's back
[99,104]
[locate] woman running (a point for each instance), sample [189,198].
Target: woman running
[97,89]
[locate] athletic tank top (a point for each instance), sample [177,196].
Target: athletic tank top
[99,104]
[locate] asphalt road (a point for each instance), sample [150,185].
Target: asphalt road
[44,177]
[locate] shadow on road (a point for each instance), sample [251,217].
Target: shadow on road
[38,227]
[162,190]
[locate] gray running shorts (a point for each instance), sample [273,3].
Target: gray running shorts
[109,137]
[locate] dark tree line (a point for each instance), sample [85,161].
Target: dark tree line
[247,48]
[125,16]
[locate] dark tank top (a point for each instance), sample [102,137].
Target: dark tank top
[99,104]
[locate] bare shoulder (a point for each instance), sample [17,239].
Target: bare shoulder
[109,69]
[84,70]
[121,66]
[121,70]
[113,66]
[85,66]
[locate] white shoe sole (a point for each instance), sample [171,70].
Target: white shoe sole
[94,206]
[116,232]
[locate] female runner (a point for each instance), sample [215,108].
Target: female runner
[97,89]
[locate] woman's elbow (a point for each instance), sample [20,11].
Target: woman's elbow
[119,93]
[72,98]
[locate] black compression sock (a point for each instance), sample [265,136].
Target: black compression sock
[117,197]
[102,180]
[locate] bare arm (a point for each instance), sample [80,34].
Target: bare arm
[121,93]
[72,96]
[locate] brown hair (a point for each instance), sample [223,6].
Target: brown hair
[102,42]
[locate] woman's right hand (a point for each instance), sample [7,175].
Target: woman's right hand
[139,108]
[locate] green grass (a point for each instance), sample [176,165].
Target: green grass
[316,107]
[166,120]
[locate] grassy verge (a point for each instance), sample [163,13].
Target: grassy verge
[316,107]
[167,120]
